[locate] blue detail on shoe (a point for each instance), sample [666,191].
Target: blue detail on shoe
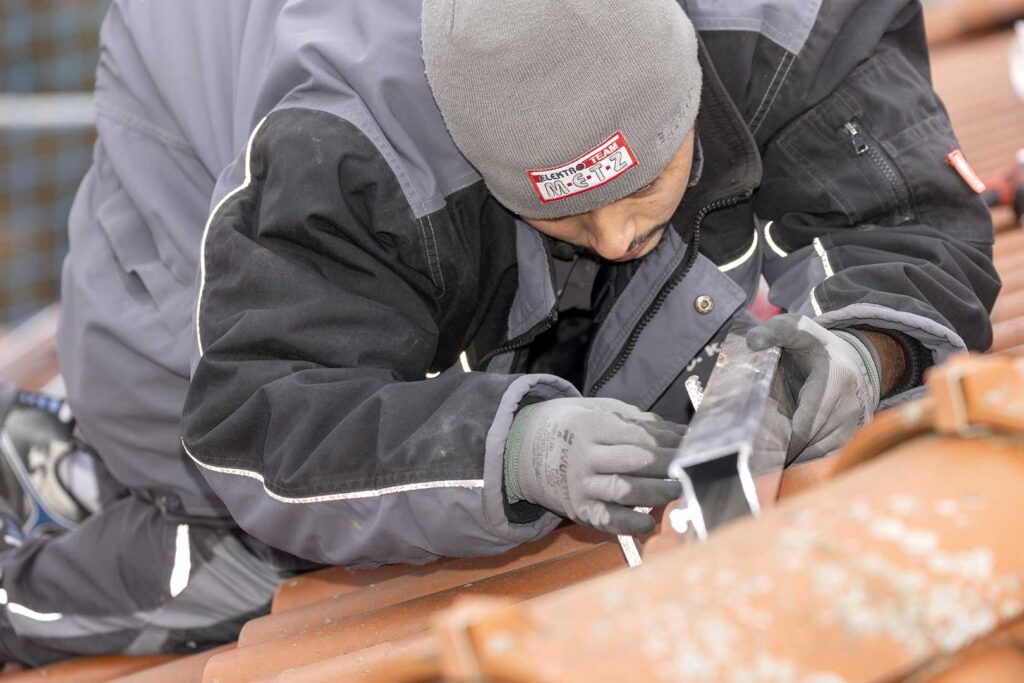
[36,513]
[40,515]
[43,402]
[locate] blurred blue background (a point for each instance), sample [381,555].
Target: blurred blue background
[48,54]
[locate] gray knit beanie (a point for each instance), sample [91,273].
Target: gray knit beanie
[563,106]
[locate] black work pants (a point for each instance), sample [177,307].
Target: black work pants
[128,580]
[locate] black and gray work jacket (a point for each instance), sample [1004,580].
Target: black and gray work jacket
[365,313]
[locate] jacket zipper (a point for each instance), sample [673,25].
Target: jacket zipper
[862,145]
[522,340]
[689,259]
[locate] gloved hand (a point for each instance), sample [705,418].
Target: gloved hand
[592,460]
[833,376]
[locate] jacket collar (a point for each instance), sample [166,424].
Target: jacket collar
[731,163]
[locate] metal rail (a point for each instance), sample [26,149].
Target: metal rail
[737,434]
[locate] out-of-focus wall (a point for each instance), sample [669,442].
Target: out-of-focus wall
[953,20]
[48,53]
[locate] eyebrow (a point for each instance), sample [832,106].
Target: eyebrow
[642,192]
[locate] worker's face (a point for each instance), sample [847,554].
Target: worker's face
[631,227]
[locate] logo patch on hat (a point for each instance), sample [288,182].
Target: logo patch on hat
[598,167]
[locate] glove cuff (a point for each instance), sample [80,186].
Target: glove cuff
[869,357]
[916,358]
[513,446]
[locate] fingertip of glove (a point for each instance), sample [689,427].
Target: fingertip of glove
[759,339]
[627,522]
[788,330]
[674,490]
[639,528]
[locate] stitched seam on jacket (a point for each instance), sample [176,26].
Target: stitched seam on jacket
[369,128]
[433,258]
[775,96]
[426,253]
[770,92]
[143,127]
[209,224]
[351,495]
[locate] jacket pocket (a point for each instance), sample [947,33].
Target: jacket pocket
[871,154]
[137,256]
[882,169]
[942,199]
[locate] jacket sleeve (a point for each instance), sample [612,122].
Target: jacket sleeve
[309,411]
[866,223]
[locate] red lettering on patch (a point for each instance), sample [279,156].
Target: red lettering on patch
[957,160]
[592,169]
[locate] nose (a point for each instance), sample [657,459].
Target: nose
[611,234]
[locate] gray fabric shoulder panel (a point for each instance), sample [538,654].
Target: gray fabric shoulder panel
[643,288]
[675,335]
[535,296]
[787,23]
[330,45]
[257,56]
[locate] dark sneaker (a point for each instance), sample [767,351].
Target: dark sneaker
[35,446]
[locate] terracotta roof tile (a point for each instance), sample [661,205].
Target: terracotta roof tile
[177,670]
[973,80]
[334,582]
[906,565]
[359,665]
[950,20]
[333,638]
[28,353]
[416,583]
[87,670]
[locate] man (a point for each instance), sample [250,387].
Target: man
[439,330]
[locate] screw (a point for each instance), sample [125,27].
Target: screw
[704,304]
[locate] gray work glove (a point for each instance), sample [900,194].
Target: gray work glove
[832,375]
[592,460]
